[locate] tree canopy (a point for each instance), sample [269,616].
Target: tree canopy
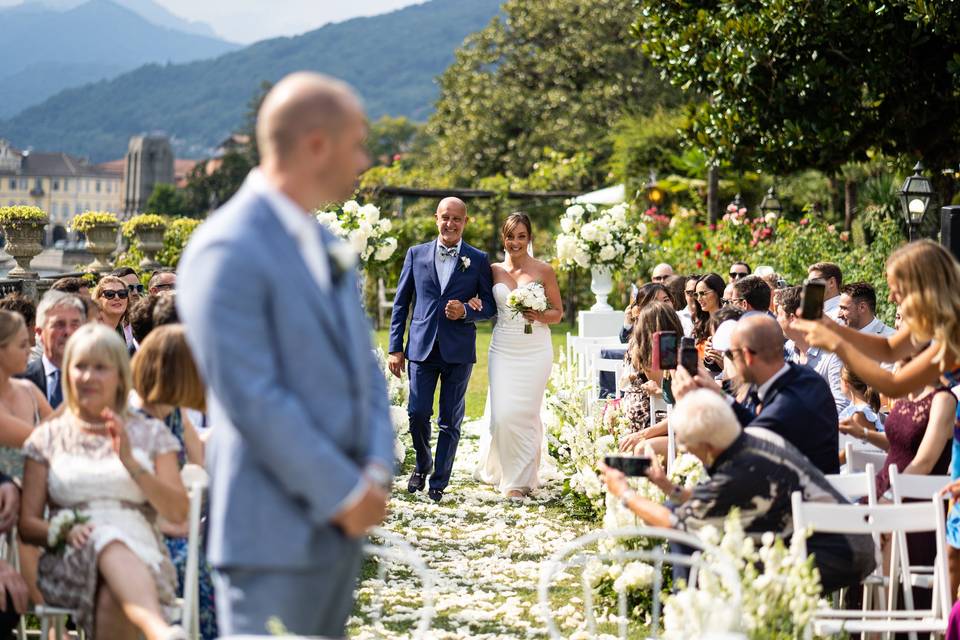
[794,84]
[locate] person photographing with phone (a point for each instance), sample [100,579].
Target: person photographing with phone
[752,470]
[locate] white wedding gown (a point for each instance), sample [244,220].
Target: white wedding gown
[519,368]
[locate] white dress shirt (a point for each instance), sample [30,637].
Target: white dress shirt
[445,265]
[299,224]
[831,308]
[878,328]
[49,371]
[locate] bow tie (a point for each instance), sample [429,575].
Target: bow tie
[446,252]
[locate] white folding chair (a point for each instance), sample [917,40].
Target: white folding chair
[858,457]
[585,552]
[874,520]
[195,479]
[613,366]
[394,550]
[909,486]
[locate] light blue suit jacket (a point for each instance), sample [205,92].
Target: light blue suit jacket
[296,399]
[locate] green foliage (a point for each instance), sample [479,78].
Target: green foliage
[22,214]
[648,142]
[547,74]
[90,219]
[391,59]
[205,192]
[141,222]
[794,85]
[390,137]
[168,199]
[175,240]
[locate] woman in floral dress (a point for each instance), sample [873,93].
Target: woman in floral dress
[106,476]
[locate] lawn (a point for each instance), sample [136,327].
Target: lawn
[477,391]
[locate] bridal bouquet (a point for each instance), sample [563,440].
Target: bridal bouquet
[363,229]
[595,238]
[528,297]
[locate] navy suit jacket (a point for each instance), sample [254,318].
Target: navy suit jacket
[800,408]
[457,338]
[36,375]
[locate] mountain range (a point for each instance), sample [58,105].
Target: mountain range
[47,49]
[391,59]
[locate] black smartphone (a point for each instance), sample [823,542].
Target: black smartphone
[811,299]
[665,350]
[688,355]
[633,466]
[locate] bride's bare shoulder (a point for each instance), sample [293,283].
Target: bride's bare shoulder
[544,268]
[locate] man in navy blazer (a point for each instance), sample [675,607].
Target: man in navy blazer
[438,278]
[788,399]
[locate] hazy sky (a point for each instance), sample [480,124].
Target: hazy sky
[250,20]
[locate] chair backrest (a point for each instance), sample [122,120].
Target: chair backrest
[855,486]
[578,348]
[910,486]
[389,550]
[858,458]
[595,550]
[196,480]
[614,366]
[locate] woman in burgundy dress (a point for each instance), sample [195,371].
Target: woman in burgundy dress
[919,431]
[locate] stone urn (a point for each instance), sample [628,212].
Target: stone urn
[24,243]
[150,241]
[102,242]
[601,284]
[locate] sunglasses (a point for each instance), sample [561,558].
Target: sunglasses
[164,287]
[110,294]
[738,274]
[659,278]
[702,294]
[135,287]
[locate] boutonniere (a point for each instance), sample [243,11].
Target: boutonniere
[464,263]
[343,259]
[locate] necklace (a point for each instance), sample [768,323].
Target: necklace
[92,428]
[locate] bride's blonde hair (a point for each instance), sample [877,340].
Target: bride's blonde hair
[927,277]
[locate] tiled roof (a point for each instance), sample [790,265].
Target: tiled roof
[40,164]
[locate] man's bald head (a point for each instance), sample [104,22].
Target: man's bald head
[300,104]
[760,334]
[452,203]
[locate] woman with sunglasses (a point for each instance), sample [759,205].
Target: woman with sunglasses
[709,293]
[112,296]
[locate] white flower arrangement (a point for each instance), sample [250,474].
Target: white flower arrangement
[60,526]
[398,390]
[363,229]
[606,238]
[528,297]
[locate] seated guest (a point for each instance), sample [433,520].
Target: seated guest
[59,315]
[661,272]
[23,305]
[113,297]
[754,471]
[690,296]
[709,294]
[858,310]
[676,288]
[651,292]
[827,365]
[105,475]
[163,279]
[643,379]
[141,319]
[165,311]
[832,276]
[93,310]
[739,270]
[131,279]
[788,399]
[751,294]
[76,286]
[166,381]
[728,295]
[713,358]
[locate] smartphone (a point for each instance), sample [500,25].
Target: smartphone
[688,355]
[665,350]
[633,466]
[811,300]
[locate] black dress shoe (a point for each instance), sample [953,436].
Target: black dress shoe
[416,482]
[436,494]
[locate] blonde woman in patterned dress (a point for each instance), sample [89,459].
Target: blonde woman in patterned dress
[108,475]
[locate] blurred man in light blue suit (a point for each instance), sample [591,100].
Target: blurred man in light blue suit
[300,452]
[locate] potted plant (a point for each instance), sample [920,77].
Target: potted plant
[148,229]
[23,228]
[100,228]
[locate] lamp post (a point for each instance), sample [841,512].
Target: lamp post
[654,193]
[771,203]
[916,194]
[737,203]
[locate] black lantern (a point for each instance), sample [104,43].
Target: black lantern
[654,193]
[916,194]
[771,203]
[736,204]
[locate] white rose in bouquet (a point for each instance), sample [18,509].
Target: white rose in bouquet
[351,207]
[528,297]
[358,240]
[386,250]
[363,229]
[370,213]
[566,224]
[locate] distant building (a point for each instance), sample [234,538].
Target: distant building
[60,184]
[149,163]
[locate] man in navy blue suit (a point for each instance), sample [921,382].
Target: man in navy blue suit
[438,278]
[788,399]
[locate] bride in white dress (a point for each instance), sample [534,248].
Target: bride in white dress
[519,367]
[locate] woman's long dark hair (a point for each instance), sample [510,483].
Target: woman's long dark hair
[648,293]
[701,319]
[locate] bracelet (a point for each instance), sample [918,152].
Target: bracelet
[625,498]
[865,433]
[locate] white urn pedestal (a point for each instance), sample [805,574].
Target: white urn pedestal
[599,324]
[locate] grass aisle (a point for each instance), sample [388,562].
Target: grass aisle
[485,553]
